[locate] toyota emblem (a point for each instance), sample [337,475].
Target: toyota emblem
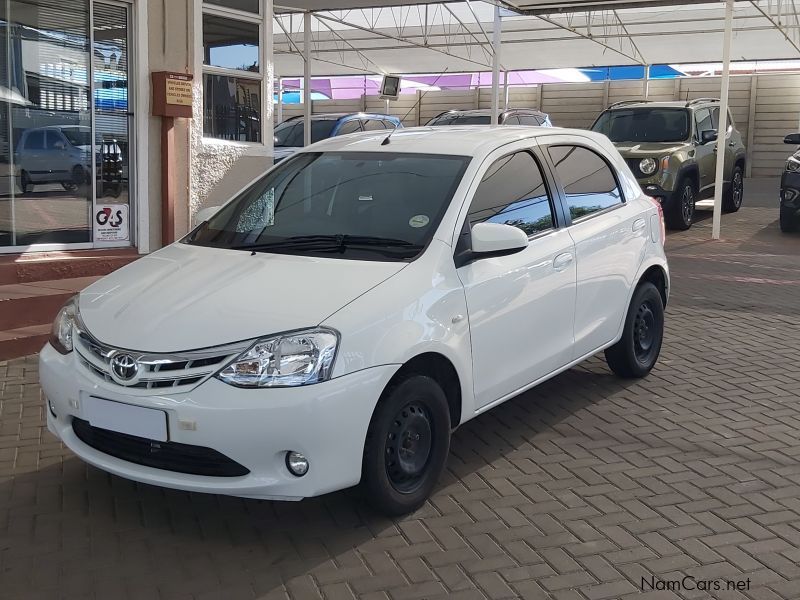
[124,369]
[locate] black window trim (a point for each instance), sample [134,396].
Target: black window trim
[560,186]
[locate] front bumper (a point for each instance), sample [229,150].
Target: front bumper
[327,422]
[790,191]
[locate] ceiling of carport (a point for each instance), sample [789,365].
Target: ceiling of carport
[455,37]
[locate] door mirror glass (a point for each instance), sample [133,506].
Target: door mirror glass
[792,138]
[59,145]
[497,238]
[709,135]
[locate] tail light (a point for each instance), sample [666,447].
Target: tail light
[662,226]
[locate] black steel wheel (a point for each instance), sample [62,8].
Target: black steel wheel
[732,200]
[407,445]
[681,213]
[636,353]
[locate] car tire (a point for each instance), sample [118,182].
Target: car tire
[407,445]
[636,353]
[789,220]
[25,184]
[680,215]
[732,199]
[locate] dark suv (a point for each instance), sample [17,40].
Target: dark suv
[790,188]
[512,116]
[671,147]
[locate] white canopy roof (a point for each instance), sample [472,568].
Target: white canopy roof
[456,36]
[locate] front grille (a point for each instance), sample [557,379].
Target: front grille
[170,456]
[157,371]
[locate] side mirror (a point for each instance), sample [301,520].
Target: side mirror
[59,145]
[497,239]
[792,138]
[205,214]
[709,135]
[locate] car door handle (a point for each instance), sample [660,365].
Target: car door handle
[639,224]
[562,261]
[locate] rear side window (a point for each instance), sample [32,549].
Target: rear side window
[589,184]
[513,192]
[530,120]
[512,120]
[373,124]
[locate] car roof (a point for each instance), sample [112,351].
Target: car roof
[666,104]
[461,140]
[484,112]
[337,116]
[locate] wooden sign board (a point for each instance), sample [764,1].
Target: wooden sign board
[172,94]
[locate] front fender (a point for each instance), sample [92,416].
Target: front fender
[419,310]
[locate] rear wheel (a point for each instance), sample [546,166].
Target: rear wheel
[636,353]
[732,200]
[789,220]
[681,212]
[407,445]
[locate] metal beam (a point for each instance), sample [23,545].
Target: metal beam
[496,45]
[307,79]
[592,38]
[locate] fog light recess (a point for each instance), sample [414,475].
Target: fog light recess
[297,463]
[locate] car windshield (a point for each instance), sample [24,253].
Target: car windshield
[457,119]
[357,205]
[644,124]
[78,137]
[289,134]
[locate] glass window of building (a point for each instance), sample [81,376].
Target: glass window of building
[233,81]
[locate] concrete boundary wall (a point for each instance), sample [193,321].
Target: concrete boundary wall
[770,104]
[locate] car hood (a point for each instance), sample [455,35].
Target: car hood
[636,149]
[187,297]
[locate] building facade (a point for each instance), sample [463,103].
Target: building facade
[82,158]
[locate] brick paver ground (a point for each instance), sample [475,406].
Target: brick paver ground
[578,490]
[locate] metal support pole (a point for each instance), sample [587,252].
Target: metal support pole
[306,78]
[646,93]
[496,67]
[505,90]
[722,142]
[280,100]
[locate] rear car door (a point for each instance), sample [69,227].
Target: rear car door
[610,237]
[520,305]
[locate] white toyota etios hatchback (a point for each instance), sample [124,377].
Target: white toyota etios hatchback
[336,320]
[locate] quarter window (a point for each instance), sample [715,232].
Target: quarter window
[589,184]
[373,124]
[513,192]
[349,127]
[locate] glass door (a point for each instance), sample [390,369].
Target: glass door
[112,122]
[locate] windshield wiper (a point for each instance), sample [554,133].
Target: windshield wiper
[340,242]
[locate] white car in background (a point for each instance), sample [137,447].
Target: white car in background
[338,318]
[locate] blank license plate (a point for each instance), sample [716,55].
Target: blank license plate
[124,418]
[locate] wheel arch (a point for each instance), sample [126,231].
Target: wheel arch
[438,367]
[656,275]
[692,171]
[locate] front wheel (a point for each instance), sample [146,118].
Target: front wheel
[789,220]
[636,353]
[407,445]
[732,200]
[681,212]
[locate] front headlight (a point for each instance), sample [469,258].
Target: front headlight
[648,166]
[793,165]
[63,326]
[290,359]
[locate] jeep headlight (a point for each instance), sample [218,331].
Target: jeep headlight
[64,326]
[285,360]
[793,165]
[648,166]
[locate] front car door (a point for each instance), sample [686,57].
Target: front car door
[520,306]
[705,153]
[610,236]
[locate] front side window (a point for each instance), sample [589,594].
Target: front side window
[530,120]
[349,127]
[513,192]
[77,136]
[644,124]
[589,184]
[704,121]
[35,140]
[354,205]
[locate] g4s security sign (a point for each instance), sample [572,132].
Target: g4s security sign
[111,223]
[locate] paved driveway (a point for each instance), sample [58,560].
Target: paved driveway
[588,487]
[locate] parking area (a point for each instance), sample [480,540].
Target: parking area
[588,487]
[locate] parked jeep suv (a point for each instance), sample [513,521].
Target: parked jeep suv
[790,188]
[671,147]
